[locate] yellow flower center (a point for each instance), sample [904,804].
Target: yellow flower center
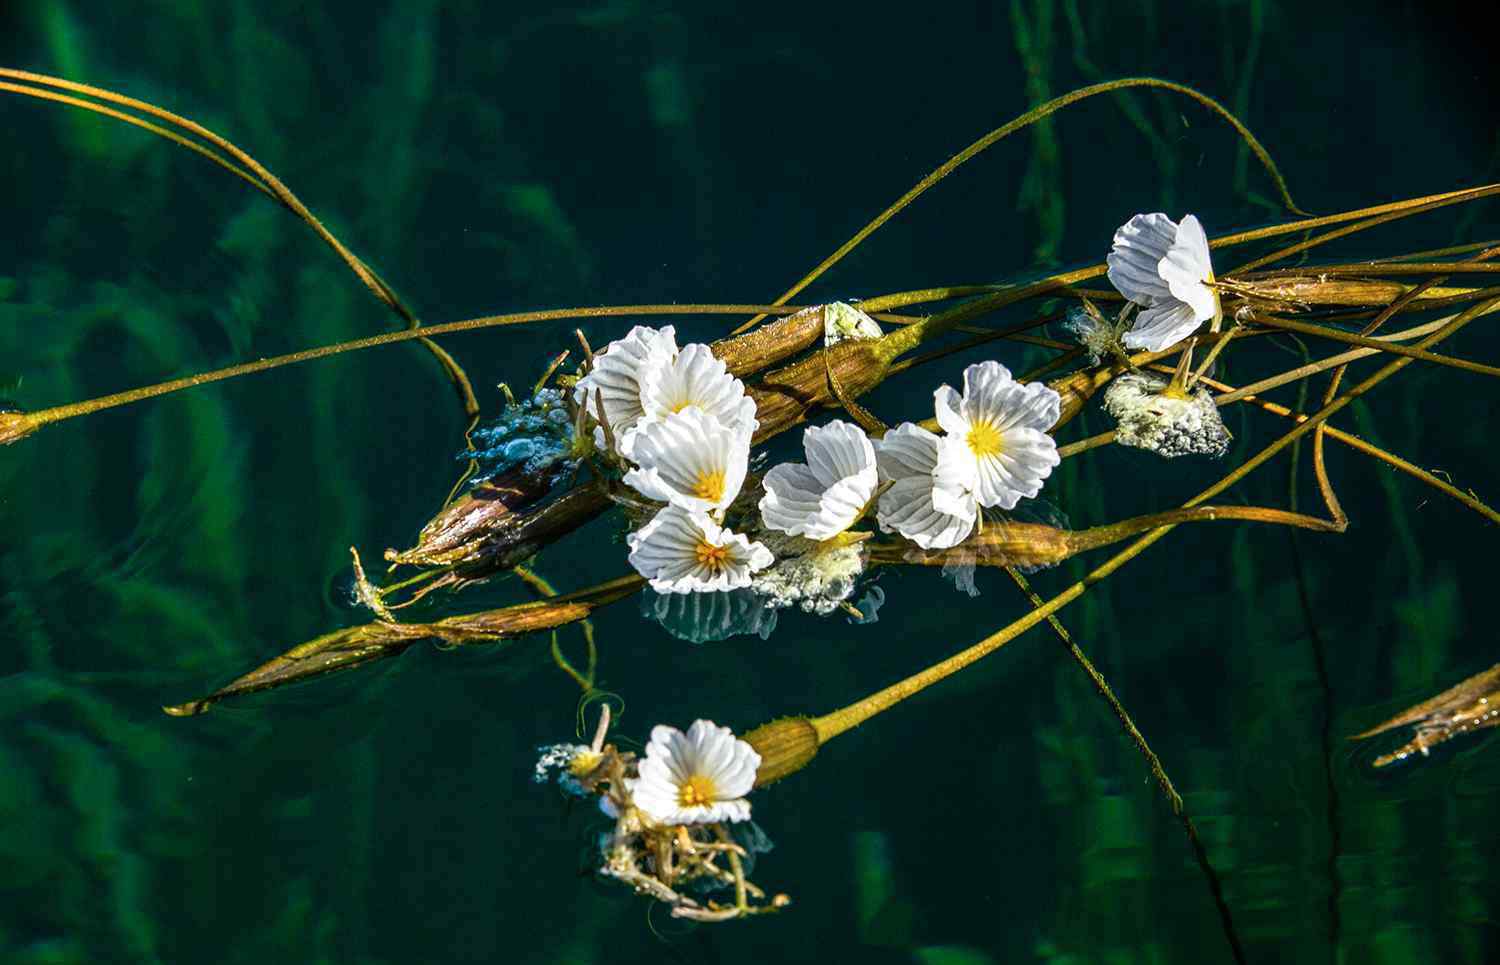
[697,790]
[710,555]
[584,762]
[710,485]
[984,439]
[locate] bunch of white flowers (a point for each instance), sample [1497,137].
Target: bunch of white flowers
[684,425]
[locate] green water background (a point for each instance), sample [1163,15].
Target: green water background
[488,158]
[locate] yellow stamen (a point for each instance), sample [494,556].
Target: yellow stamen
[710,485]
[697,790]
[584,762]
[711,556]
[984,439]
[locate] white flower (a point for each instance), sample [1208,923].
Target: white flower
[681,551]
[1168,424]
[695,379]
[842,321]
[621,373]
[999,427]
[689,459]
[1164,267]
[931,505]
[824,496]
[700,777]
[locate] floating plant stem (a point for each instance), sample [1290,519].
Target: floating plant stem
[797,739]
[1020,123]
[41,417]
[1153,763]
[1373,217]
[370,642]
[1348,338]
[262,179]
[1473,704]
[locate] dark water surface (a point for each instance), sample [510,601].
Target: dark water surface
[491,159]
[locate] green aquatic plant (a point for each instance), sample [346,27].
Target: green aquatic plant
[525,489]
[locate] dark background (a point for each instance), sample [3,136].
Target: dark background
[487,158]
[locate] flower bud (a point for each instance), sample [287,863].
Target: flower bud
[788,395]
[485,521]
[785,745]
[772,342]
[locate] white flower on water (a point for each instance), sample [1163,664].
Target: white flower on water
[931,505]
[700,777]
[683,551]
[998,430]
[695,379]
[689,459]
[843,321]
[622,371]
[1164,267]
[824,496]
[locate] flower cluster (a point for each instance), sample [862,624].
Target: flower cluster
[994,451]
[673,809]
[683,424]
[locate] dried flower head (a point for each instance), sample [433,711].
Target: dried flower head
[815,576]
[1164,267]
[1168,423]
[930,504]
[684,551]
[827,494]
[997,430]
[700,777]
[1099,336]
[690,459]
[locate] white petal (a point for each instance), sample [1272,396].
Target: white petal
[837,451]
[1185,268]
[992,395]
[906,508]
[908,457]
[907,450]
[696,379]
[667,552]
[1158,329]
[1026,458]
[823,498]
[689,459]
[955,479]
[949,407]
[1139,246]
[619,374]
